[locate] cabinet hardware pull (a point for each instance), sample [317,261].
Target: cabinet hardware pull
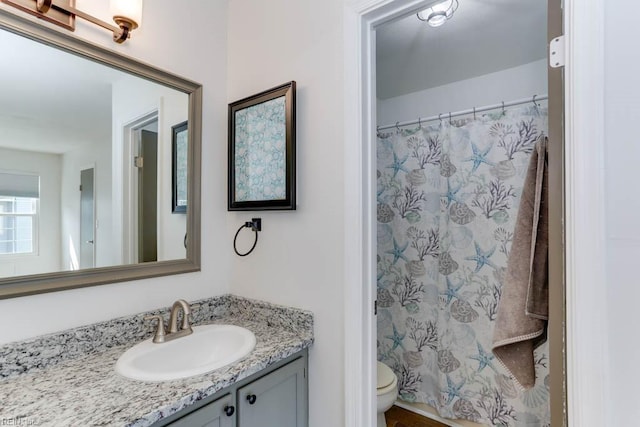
[251,398]
[229,410]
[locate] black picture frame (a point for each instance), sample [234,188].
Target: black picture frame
[262,151]
[179,156]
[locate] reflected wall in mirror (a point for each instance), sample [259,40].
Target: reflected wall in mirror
[86,168]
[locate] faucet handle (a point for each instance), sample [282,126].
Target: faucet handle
[158,337]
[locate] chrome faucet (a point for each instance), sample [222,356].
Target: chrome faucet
[160,335]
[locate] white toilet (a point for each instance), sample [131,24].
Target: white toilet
[387,391]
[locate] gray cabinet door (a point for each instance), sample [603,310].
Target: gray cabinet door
[215,414]
[278,399]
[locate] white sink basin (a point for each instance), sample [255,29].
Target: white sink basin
[209,347]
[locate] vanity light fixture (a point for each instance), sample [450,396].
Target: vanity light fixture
[127,14]
[438,13]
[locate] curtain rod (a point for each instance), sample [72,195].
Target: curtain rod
[442,116]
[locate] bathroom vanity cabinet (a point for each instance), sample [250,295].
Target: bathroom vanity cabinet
[274,397]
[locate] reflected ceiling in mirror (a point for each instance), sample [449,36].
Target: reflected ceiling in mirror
[96,135]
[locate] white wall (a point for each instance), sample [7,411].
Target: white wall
[506,85]
[622,174]
[47,166]
[198,53]
[299,258]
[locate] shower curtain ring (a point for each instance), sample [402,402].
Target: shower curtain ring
[419,123]
[450,117]
[440,117]
[474,114]
[503,108]
[397,127]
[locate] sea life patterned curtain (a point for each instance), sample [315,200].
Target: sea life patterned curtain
[448,196]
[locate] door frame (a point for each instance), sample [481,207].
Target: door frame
[585,320]
[129,184]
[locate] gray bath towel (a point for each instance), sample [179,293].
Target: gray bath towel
[523,307]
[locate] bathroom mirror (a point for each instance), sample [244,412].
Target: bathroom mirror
[86,164]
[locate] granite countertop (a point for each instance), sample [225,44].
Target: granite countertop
[68,378]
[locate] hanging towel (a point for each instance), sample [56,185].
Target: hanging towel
[523,307]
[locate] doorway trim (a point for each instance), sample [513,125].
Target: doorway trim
[584,206]
[129,185]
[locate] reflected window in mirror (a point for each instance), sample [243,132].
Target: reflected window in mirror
[19,197]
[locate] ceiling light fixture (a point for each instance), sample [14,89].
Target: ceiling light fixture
[438,13]
[127,14]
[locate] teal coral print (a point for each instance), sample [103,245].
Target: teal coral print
[260,156]
[447,197]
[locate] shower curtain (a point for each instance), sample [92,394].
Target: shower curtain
[448,196]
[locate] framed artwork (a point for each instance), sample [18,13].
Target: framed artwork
[262,150]
[179,148]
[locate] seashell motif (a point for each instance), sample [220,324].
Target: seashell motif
[378,173]
[446,264]
[447,362]
[385,213]
[413,217]
[536,396]
[462,311]
[447,168]
[412,308]
[503,170]
[417,177]
[500,217]
[461,237]
[507,387]
[413,359]
[408,396]
[461,214]
[384,298]
[464,410]
[416,268]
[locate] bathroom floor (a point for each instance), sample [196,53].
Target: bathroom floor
[398,417]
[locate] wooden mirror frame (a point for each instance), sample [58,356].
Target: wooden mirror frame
[17,286]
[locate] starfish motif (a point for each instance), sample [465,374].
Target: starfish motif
[396,338]
[478,157]
[482,258]
[452,290]
[398,251]
[453,390]
[379,193]
[452,193]
[398,164]
[484,358]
